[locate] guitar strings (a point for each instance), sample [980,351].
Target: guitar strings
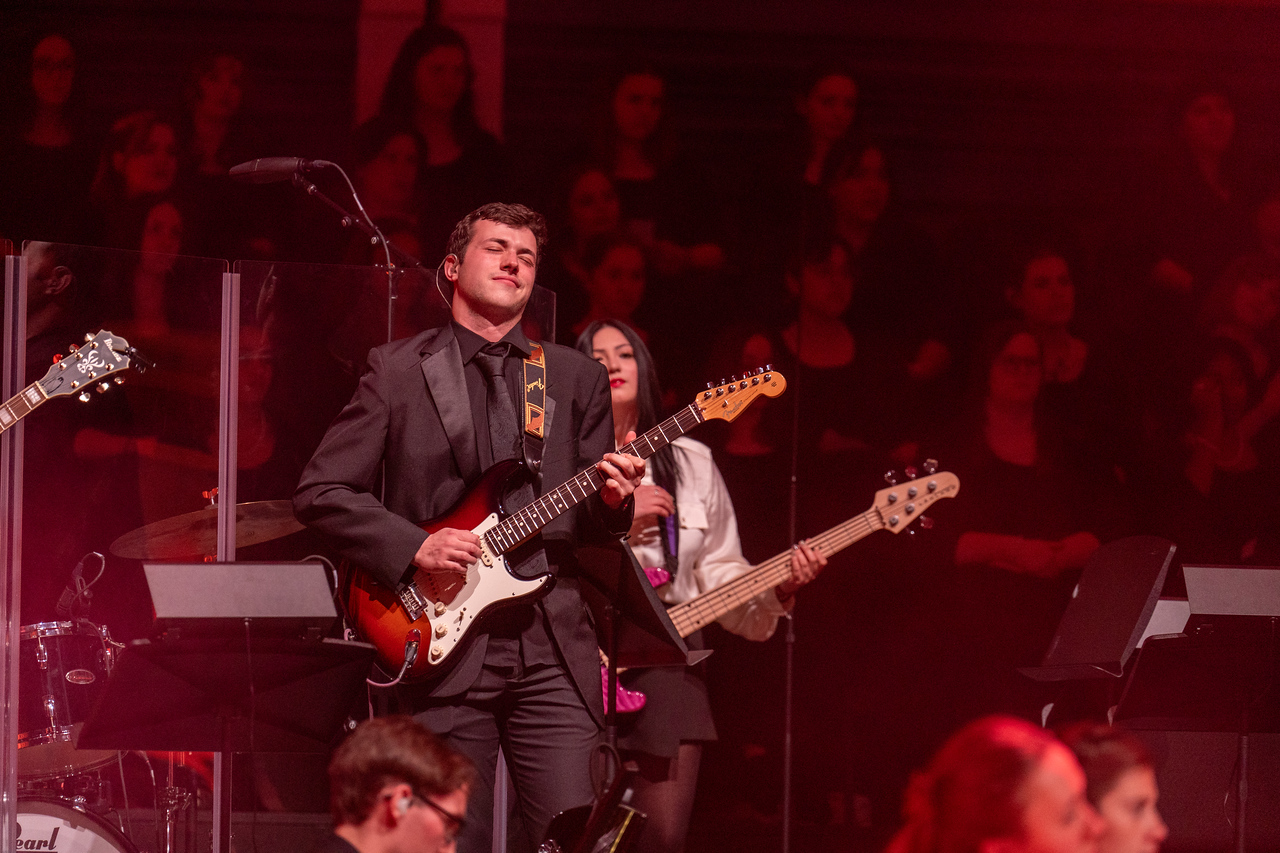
[526,521]
[702,610]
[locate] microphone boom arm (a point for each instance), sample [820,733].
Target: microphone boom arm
[351,220]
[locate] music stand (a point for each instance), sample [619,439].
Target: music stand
[631,621]
[225,694]
[1112,604]
[1219,677]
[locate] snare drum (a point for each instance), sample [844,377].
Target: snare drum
[63,667]
[51,825]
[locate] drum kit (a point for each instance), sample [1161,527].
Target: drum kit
[63,795]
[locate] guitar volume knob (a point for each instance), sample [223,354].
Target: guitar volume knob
[441,630]
[437,652]
[440,608]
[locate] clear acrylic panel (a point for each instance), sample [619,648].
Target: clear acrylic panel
[305,334]
[123,473]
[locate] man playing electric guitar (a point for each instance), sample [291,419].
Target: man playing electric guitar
[527,675]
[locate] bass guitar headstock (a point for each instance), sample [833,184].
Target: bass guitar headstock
[902,503]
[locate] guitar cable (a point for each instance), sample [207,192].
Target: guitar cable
[412,641]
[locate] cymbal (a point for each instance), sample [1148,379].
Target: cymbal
[195,534]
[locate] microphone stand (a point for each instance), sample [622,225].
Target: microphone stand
[366,225]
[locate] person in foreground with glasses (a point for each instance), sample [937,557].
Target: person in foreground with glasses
[394,787]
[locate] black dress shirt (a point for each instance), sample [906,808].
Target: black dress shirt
[518,635]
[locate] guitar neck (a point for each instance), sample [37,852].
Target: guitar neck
[710,606]
[528,520]
[21,405]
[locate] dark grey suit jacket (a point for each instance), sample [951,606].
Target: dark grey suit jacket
[411,409]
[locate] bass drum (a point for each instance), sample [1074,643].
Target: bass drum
[53,825]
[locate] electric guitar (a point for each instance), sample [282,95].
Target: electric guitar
[437,609]
[101,356]
[894,509]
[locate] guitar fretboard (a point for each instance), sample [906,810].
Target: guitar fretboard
[710,606]
[20,405]
[529,519]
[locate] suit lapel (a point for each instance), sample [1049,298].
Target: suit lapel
[447,386]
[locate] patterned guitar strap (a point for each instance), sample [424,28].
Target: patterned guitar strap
[535,408]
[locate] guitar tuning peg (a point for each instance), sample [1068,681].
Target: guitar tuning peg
[711,385]
[87,337]
[930,466]
[891,477]
[910,471]
[84,396]
[925,522]
[103,386]
[768,368]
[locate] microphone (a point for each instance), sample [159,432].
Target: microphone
[70,594]
[266,170]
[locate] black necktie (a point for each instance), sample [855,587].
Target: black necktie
[504,439]
[503,435]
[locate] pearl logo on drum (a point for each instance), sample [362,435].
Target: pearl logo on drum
[80,676]
[49,843]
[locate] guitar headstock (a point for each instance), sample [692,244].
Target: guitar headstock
[900,505]
[727,400]
[97,360]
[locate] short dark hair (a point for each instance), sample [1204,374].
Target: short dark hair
[1106,753]
[514,215]
[388,751]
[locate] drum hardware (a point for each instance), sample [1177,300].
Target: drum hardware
[173,801]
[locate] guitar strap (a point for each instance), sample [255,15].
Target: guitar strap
[535,402]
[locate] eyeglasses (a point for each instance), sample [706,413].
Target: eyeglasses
[453,824]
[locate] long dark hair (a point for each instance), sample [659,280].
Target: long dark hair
[398,96]
[660,147]
[666,469]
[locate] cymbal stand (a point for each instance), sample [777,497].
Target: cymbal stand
[174,801]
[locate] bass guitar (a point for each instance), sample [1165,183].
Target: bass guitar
[99,359]
[894,509]
[438,610]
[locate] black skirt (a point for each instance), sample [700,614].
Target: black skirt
[676,709]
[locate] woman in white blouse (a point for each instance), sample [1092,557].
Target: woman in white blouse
[685,526]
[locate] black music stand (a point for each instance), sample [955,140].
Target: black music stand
[1220,676]
[223,694]
[631,621]
[1112,604]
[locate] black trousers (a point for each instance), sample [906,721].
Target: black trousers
[547,737]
